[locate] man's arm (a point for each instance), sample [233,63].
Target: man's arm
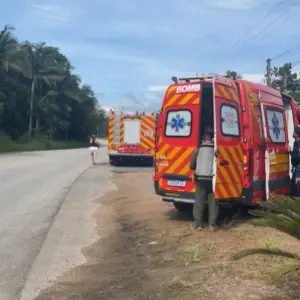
[295,158]
[297,174]
[193,162]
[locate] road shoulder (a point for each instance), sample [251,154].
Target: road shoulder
[147,251]
[73,229]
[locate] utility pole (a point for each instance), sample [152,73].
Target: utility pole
[285,77]
[268,74]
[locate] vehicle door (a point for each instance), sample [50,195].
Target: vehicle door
[228,164]
[178,137]
[276,150]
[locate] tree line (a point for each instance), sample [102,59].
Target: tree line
[41,96]
[283,78]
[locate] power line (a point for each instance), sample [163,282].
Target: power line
[295,63]
[269,33]
[268,73]
[255,26]
[292,16]
[287,52]
[289,8]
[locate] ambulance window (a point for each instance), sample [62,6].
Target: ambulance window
[229,120]
[276,125]
[178,123]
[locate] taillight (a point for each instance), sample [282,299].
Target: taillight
[245,163]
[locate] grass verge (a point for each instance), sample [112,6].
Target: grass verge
[36,144]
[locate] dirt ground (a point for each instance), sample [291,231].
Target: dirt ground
[146,251]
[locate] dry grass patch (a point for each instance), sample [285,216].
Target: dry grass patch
[153,255]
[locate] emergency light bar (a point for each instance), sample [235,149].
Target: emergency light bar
[137,113]
[202,78]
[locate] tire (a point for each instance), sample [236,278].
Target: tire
[182,207]
[112,161]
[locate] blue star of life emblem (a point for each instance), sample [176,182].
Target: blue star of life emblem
[276,129]
[177,123]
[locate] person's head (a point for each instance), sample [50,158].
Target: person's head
[93,137]
[208,130]
[296,134]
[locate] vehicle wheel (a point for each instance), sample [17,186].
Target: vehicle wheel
[112,161]
[183,206]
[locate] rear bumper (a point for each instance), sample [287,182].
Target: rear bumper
[171,196]
[180,200]
[130,155]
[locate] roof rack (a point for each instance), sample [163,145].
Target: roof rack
[201,78]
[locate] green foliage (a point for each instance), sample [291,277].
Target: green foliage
[283,214]
[285,80]
[35,144]
[40,96]
[233,75]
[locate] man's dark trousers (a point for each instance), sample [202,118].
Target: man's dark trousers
[204,194]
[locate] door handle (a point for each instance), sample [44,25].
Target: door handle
[224,162]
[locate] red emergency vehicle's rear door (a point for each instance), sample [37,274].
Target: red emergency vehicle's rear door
[267,157]
[178,138]
[228,164]
[276,148]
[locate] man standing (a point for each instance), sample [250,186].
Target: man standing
[202,163]
[295,159]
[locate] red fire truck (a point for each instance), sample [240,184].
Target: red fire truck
[130,137]
[253,126]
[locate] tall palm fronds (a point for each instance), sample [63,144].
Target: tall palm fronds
[41,65]
[10,52]
[37,85]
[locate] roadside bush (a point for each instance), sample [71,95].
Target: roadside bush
[35,144]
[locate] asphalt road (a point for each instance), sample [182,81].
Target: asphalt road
[38,215]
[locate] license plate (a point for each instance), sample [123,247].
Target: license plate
[179,183]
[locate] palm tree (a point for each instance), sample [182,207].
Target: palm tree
[41,65]
[11,59]
[38,80]
[68,93]
[54,98]
[10,54]
[283,214]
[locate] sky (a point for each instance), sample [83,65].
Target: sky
[128,50]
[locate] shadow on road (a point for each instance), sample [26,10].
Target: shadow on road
[102,163]
[132,166]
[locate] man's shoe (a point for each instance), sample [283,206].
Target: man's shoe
[212,228]
[197,227]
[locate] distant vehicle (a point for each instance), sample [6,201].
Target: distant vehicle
[253,127]
[130,137]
